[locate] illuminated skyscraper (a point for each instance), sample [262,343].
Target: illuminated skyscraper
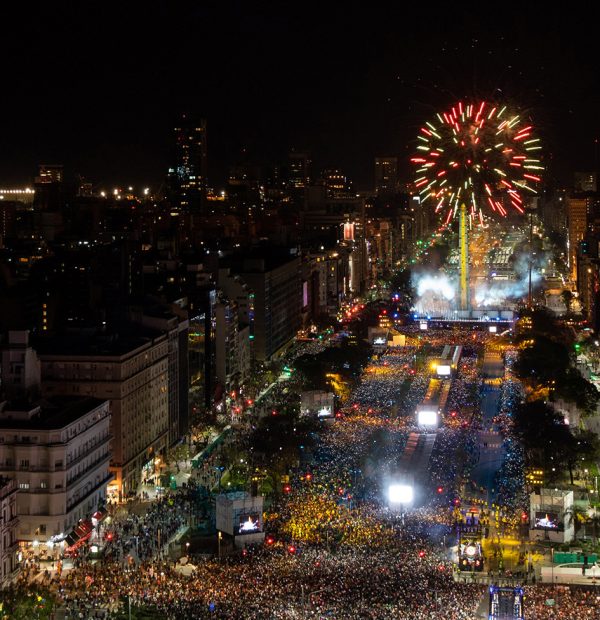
[48,187]
[187,179]
[299,175]
[386,175]
[577,218]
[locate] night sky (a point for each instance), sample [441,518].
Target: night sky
[97,86]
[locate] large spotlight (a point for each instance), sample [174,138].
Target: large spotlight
[400,494]
[427,417]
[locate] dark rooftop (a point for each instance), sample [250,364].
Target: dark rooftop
[127,339]
[56,413]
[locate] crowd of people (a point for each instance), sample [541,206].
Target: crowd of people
[562,602]
[334,547]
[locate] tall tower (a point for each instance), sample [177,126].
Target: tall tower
[386,175]
[187,179]
[463,245]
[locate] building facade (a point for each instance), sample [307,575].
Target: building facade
[275,283]
[133,373]
[59,457]
[187,178]
[577,210]
[8,529]
[386,175]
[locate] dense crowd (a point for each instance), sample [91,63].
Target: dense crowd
[562,602]
[352,582]
[335,548]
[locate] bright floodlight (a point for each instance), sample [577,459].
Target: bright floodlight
[427,417]
[400,494]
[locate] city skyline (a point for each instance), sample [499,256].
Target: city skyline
[104,96]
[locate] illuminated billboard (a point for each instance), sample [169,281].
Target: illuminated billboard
[324,412]
[546,521]
[248,524]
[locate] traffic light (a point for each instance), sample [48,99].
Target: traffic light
[421,554]
[291,549]
[440,490]
[287,488]
[270,540]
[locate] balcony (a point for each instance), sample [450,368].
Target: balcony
[12,548]
[106,480]
[90,468]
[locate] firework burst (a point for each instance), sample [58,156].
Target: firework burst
[480,154]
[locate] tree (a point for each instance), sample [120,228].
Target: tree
[567,298]
[573,387]
[543,361]
[576,516]
[26,603]
[546,439]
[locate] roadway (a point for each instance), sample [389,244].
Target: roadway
[491,450]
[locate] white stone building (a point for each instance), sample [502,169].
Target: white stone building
[59,455]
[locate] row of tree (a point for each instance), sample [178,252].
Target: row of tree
[547,360]
[546,365]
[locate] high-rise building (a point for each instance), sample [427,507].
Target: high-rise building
[386,175]
[48,187]
[577,217]
[585,182]
[177,330]
[336,183]
[131,369]
[201,344]
[187,178]
[274,278]
[49,173]
[226,344]
[299,170]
